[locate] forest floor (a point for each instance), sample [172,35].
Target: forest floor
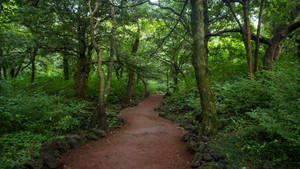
[147,141]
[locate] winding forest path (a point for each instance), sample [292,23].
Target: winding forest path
[146,142]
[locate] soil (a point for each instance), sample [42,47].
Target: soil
[147,141]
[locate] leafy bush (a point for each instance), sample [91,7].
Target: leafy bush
[31,113]
[259,117]
[39,112]
[16,148]
[264,114]
[117,90]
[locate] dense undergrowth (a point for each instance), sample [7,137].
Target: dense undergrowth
[31,114]
[259,122]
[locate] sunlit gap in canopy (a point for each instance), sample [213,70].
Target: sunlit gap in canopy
[154,1]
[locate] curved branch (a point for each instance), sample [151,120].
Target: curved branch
[236,30]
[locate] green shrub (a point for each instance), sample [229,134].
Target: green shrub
[16,148]
[39,112]
[259,117]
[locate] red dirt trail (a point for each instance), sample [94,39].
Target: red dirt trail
[147,141]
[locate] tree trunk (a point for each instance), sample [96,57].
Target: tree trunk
[18,70]
[112,52]
[206,23]
[101,107]
[81,74]
[4,72]
[167,81]
[247,36]
[66,67]
[145,88]
[33,64]
[12,72]
[209,115]
[275,41]
[1,55]
[128,94]
[298,41]
[175,78]
[129,90]
[277,52]
[257,34]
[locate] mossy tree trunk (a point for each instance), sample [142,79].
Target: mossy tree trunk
[262,4]
[101,114]
[275,42]
[129,89]
[66,67]
[130,84]
[298,41]
[146,94]
[209,116]
[247,36]
[33,58]
[112,51]
[81,75]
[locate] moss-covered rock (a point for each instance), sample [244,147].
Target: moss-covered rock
[209,165]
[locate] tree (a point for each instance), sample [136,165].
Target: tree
[101,115]
[272,50]
[209,115]
[246,30]
[135,46]
[257,34]
[112,50]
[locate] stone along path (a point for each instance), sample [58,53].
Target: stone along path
[147,141]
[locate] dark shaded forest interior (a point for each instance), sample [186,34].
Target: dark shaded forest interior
[229,71]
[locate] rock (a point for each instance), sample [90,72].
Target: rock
[217,156]
[34,163]
[50,153]
[207,157]
[202,148]
[20,167]
[186,137]
[221,166]
[98,132]
[120,122]
[197,160]
[193,145]
[205,139]
[55,147]
[83,139]
[73,142]
[52,162]
[266,165]
[92,136]
[210,165]
[196,163]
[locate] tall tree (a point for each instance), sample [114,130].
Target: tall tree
[101,115]
[246,30]
[112,50]
[262,4]
[271,51]
[209,115]
[130,84]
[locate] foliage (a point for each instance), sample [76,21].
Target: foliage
[18,147]
[50,42]
[37,112]
[32,113]
[259,117]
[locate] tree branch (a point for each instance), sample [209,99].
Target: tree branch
[233,13]
[236,30]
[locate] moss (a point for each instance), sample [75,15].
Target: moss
[210,165]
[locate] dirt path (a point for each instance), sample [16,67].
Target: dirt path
[146,142]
